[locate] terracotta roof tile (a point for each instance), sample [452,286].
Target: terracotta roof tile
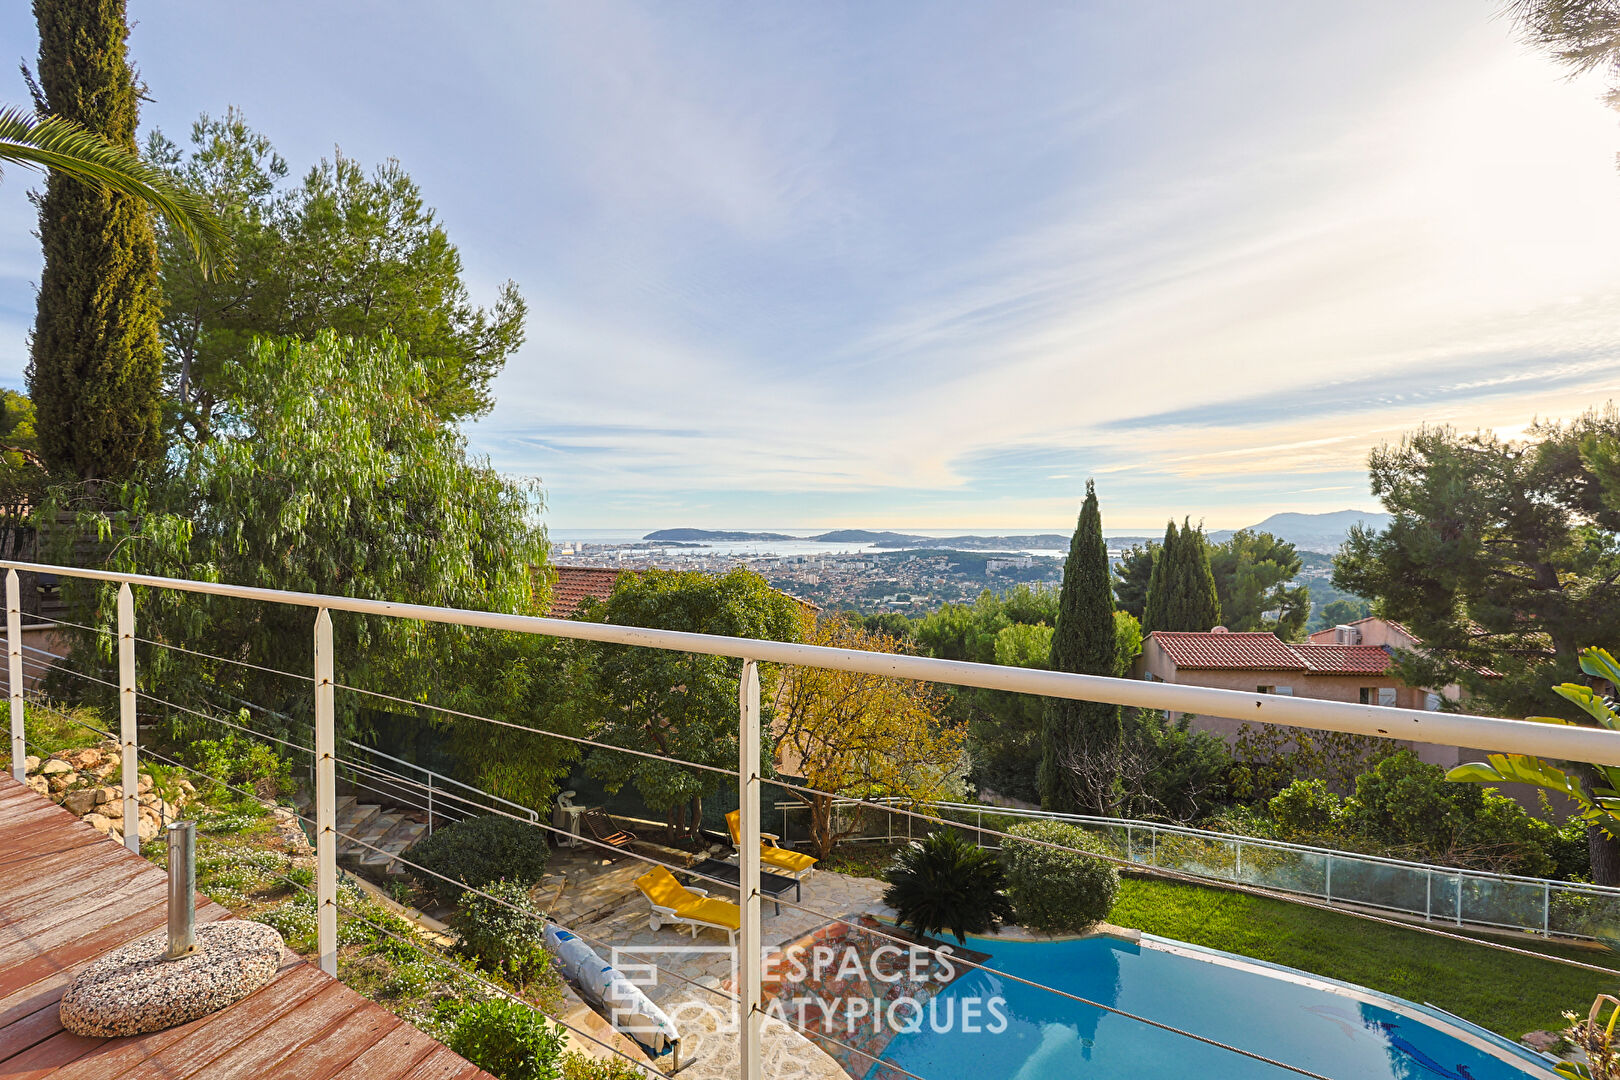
[576,584]
[1236,651]
[1343,659]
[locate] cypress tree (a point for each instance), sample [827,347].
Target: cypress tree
[1072,731]
[1191,602]
[95,374]
[1153,610]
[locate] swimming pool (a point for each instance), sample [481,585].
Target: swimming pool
[1340,1031]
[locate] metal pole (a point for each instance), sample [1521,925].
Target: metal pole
[1546,908]
[1128,857]
[182,890]
[1459,899]
[748,938]
[430,804]
[1428,895]
[1329,895]
[127,734]
[19,744]
[1153,847]
[325,797]
[1238,845]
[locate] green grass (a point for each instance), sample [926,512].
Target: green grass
[1508,994]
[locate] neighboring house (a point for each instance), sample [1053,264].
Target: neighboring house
[1348,663]
[573,585]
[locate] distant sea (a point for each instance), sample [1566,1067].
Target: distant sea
[566,537]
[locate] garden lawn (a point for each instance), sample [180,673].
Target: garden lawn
[1508,994]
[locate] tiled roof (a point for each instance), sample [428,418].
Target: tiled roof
[1253,651]
[1343,659]
[574,585]
[1224,649]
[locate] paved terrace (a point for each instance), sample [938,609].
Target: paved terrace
[597,897]
[68,895]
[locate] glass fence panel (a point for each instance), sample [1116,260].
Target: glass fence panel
[1494,902]
[1285,869]
[1584,912]
[1385,885]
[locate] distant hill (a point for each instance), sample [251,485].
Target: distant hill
[1313,532]
[711,534]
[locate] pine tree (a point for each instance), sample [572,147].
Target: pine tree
[1080,739]
[1191,602]
[96,369]
[1153,610]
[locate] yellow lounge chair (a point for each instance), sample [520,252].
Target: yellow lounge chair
[779,860]
[673,902]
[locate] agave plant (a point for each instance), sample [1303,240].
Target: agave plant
[59,145]
[1600,804]
[947,882]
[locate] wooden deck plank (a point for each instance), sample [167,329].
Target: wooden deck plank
[251,1057]
[391,1056]
[205,1037]
[443,1064]
[36,1027]
[89,879]
[47,1058]
[19,980]
[17,949]
[338,1045]
[68,895]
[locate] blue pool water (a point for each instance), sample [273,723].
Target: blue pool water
[1047,1037]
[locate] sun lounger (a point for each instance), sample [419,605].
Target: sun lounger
[780,860]
[674,903]
[602,829]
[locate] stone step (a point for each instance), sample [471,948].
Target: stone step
[343,803]
[394,842]
[370,833]
[357,817]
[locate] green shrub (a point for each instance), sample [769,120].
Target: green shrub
[1305,809]
[476,852]
[241,762]
[578,1066]
[946,882]
[1405,801]
[505,935]
[1058,892]
[1179,772]
[509,1039]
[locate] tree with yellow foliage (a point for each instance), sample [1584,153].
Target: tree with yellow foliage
[863,736]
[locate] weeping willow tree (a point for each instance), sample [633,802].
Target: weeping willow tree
[329,473]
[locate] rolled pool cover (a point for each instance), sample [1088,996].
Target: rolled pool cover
[629,1009]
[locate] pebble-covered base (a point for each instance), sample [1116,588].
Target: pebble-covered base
[133,989]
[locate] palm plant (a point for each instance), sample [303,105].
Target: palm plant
[947,883]
[1600,803]
[53,143]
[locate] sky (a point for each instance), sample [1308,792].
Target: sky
[922,265]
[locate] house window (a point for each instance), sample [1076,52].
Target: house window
[1378,695]
[1265,689]
[1431,701]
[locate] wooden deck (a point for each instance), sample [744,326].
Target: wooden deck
[68,895]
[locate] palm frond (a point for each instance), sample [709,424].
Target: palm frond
[55,143]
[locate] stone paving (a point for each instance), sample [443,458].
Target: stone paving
[598,899]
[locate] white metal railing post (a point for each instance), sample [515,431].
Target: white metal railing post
[325,797]
[14,677]
[1329,890]
[750,961]
[127,733]
[1546,908]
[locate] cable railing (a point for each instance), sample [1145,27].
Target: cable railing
[1569,743]
[1457,895]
